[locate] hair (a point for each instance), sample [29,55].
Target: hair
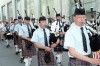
[58,15]
[19,17]
[43,18]
[15,19]
[27,18]
[32,18]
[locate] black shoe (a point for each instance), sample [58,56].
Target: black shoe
[8,46]
[17,53]
[22,60]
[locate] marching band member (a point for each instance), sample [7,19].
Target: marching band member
[28,50]
[77,42]
[40,39]
[33,23]
[17,39]
[8,35]
[58,29]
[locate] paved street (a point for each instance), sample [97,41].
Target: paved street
[8,57]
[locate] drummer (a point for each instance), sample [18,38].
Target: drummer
[7,34]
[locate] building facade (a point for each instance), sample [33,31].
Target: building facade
[11,9]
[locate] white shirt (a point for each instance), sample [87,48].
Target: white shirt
[18,28]
[24,31]
[5,28]
[32,25]
[12,28]
[73,38]
[38,36]
[56,26]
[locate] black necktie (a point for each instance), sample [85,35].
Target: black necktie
[21,24]
[60,26]
[84,40]
[45,38]
[29,31]
[7,28]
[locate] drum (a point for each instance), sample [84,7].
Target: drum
[8,36]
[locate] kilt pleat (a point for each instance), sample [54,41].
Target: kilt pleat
[41,61]
[77,62]
[28,52]
[20,46]
[17,39]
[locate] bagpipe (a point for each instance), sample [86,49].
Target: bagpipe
[78,4]
[59,47]
[49,18]
[94,38]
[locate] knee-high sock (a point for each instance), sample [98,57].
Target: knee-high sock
[26,62]
[16,48]
[30,59]
[20,50]
[58,58]
[6,42]
[61,57]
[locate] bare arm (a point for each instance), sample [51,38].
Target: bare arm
[42,47]
[25,38]
[77,55]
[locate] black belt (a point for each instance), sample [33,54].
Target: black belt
[41,49]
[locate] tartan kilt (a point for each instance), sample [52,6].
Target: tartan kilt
[14,38]
[41,61]
[17,39]
[28,52]
[20,46]
[77,62]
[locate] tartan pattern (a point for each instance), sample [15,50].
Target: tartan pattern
[14,38]
[20,46]
[41,61]
[77,62]
[17,39]
[26,52]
